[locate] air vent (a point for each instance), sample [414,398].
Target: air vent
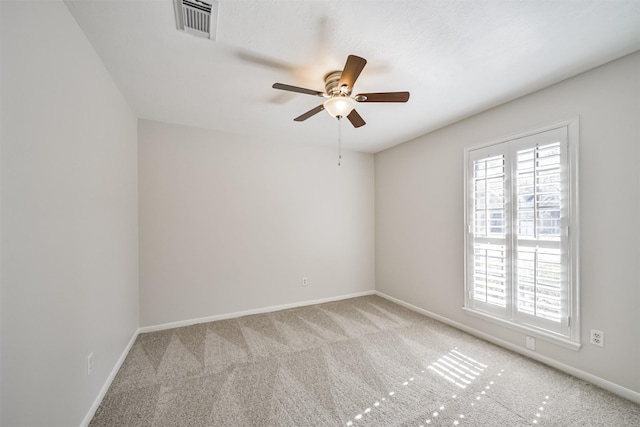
[197,17]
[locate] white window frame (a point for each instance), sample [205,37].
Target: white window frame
[567,332]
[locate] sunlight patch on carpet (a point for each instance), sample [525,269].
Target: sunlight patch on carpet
[458,368]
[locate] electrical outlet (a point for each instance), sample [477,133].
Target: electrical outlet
[531,343]
[305,281]
[89,363]
[597,338]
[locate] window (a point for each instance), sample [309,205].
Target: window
[521,240]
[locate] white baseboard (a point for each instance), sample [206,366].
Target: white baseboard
[110,378]
[601,382]
[182,323]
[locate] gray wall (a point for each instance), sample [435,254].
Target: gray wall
[230,224]
[69,218]
[419,214]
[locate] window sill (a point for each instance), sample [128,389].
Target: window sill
[536,333]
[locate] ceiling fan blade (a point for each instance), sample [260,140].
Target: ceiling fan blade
[352,69]
[265,61]
[297,89]
[355,119]
[382,97]
[309,113]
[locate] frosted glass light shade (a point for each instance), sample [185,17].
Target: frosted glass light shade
[339,106]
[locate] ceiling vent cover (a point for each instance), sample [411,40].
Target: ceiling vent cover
[197,17]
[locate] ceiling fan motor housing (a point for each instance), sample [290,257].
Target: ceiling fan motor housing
[332,85]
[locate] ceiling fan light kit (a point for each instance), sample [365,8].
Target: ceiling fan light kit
[338,87]
[339,106]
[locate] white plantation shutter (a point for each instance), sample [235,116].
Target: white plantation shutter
[489,188]
[518,261]
[540,242]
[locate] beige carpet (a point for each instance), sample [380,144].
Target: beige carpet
[358,362]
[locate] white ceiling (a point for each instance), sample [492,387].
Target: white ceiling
[457,58]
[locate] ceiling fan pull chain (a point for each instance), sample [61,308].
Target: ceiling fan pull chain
[339,141]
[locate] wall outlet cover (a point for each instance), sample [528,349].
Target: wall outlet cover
[89,363]
[531,343]
[597,338]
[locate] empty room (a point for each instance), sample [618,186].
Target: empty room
[319,213]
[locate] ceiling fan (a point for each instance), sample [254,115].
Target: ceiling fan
[338,87]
